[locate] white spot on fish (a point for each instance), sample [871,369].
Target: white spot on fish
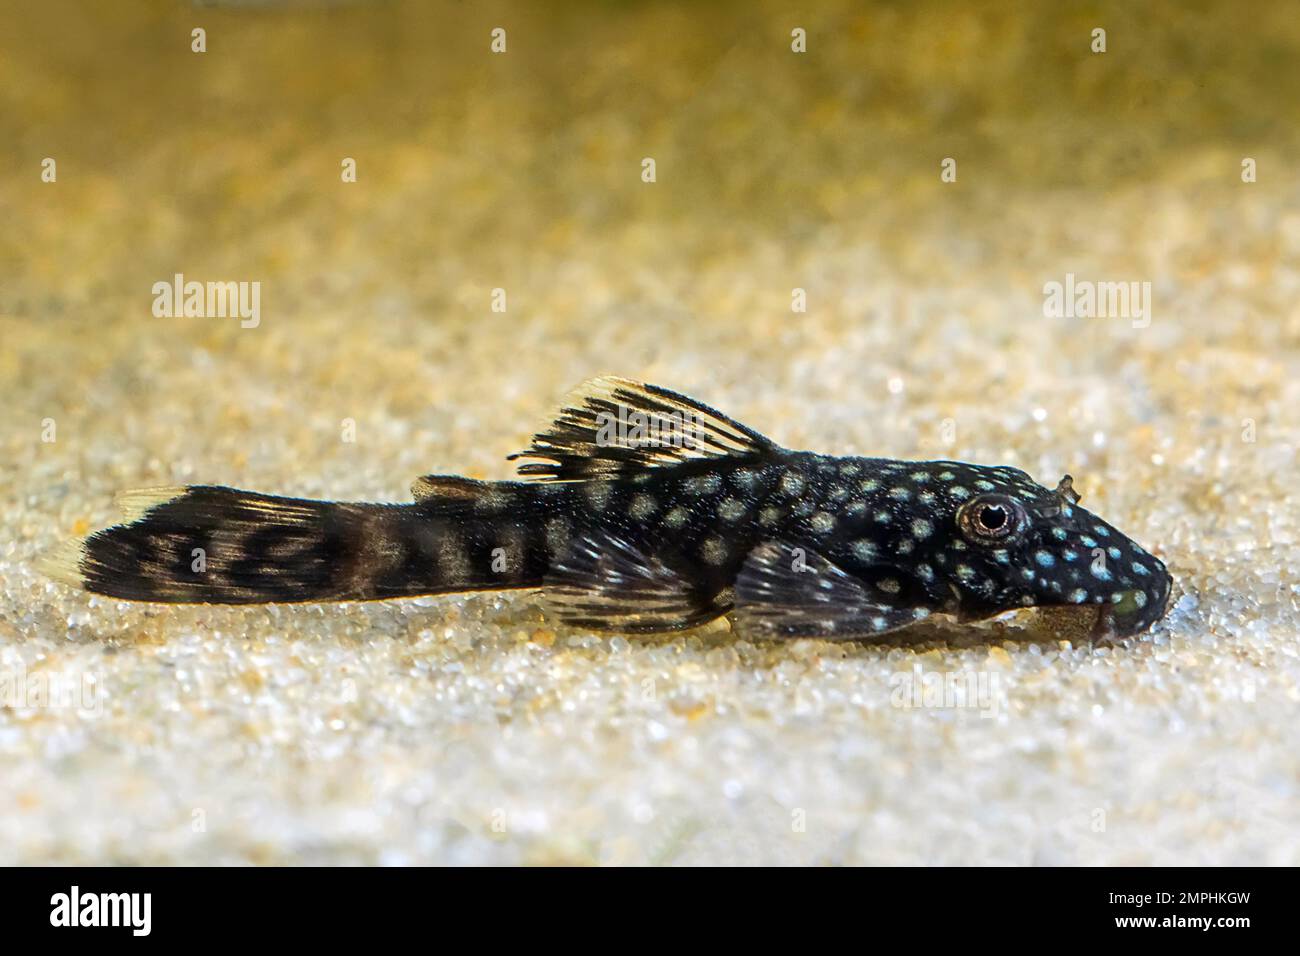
[731,509]
[642,507]
[822,522]
[922,528]
[557,536]
[714,551]
[792,484]
[677,517]
[863,550]
[702,485]
[597,494]
[453,561]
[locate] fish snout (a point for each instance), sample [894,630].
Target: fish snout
[1081,559]
[1138,607]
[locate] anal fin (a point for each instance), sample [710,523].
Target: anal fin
[605,583]
[785,590]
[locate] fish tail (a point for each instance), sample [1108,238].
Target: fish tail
[215,545]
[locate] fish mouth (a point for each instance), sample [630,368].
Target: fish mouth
[1131,615]
[1136,610]
[1090,561]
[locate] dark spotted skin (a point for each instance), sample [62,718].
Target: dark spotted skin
[890,523]
[808,543]
[261,548]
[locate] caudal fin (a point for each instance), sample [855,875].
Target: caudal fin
[214,545]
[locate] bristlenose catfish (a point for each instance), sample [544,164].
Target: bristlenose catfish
[645,510]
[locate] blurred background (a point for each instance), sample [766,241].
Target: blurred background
[924,335]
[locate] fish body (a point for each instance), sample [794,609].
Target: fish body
[646,511]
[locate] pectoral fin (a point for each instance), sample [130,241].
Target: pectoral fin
[786,590]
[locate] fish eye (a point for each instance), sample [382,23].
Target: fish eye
[991,518]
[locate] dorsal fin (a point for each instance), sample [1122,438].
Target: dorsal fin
[610,427]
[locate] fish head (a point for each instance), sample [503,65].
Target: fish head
[1011,542]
